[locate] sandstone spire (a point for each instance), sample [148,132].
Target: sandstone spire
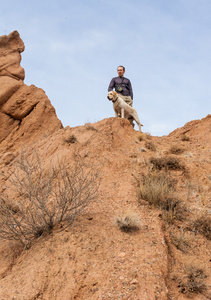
[26,113]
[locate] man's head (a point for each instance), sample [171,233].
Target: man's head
[121,71]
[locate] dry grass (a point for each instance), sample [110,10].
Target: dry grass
[180,241]
[193,282]
[158,190]
[176,150]
[185,138]
[88,126]
[71,139]
[150,145]
[128,221]
[203,225]
[47,197]
[148,135]
[167,163]
[141,137]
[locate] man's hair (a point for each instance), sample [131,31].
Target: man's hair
[121,67]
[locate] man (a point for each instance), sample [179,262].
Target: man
[122,86]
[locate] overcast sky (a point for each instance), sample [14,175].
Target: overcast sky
[73,47]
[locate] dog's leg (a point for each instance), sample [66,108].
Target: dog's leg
[115,110]
[122,113]
[139,126]
[136,118]
[131,119]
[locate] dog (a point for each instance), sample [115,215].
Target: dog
[122,109]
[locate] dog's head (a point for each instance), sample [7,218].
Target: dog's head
[112,96]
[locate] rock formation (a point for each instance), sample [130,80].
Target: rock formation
[10,48]
[24,110]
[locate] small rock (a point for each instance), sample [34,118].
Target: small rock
[134,281]
[122,254]
[142,150]
[8,157]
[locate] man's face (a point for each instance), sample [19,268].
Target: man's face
[120,72]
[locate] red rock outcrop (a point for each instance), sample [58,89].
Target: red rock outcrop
[25,111]
[10,48]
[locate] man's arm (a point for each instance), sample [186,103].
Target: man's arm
[111,85]
[130,88]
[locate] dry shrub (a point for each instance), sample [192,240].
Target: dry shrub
[141,137]
[203,226]
[148,135]
[180,241]
[71,139]
[176,150]
[167,163]
[128,222]
[185,138]
[193,282]
[174,210]
[88,126]
[158,190]
[46,197]
[150,145]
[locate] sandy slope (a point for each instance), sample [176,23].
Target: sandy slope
[93,259]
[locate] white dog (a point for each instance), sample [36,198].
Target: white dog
[123,109]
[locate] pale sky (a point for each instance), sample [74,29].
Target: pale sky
[73,48]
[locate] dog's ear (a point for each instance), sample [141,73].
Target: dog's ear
[115,93]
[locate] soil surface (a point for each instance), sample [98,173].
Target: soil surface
[93,258]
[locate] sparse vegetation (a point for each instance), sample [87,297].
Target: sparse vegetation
[185,138]
[150,145]
[148,135]
[203,225]
[46,197]
[167,163]
[180,241]
[176,150]
[158,190]
[71,139]
[141,137]
[193,282]
[128,222]
[88,126]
